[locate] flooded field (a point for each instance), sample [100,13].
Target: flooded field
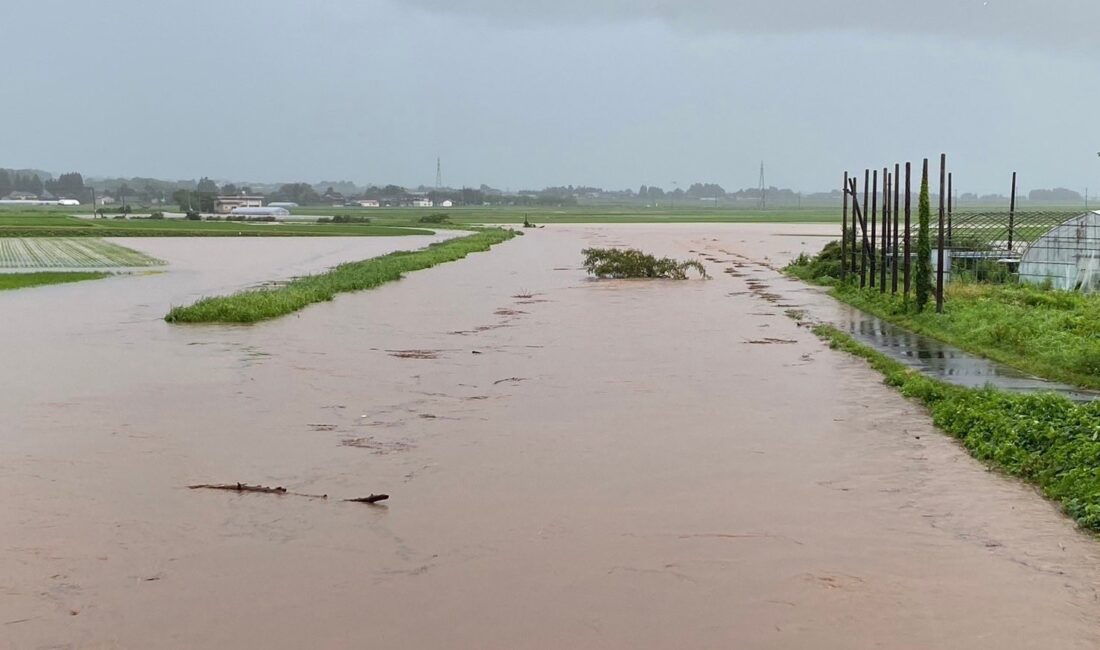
[571,463]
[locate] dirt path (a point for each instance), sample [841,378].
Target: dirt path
[571,464]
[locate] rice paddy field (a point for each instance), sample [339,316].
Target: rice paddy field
[68,253]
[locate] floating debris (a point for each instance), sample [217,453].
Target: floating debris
[372,499]
[414,354]
[514,380]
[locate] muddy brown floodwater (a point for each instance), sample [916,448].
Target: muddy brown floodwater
[571,464]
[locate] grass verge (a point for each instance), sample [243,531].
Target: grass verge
[1042,438]
[25,280]
[1052,334]
[262,304]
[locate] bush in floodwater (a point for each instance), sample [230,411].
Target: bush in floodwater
[633,263]
[438,217]
[822,268]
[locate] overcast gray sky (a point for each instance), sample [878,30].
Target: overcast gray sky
[517,94]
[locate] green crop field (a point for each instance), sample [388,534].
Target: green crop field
[68,253]
[42,278]
[392,221]
[582,214]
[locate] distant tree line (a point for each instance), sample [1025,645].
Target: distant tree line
[13,181]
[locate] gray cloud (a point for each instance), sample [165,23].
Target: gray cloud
[1036,24]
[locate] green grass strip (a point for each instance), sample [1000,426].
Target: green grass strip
[261,304]
[1052,334]
[25,280]
[1043,438]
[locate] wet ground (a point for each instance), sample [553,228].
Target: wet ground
[571,463]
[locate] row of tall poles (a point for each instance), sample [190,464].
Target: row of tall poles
[858,244]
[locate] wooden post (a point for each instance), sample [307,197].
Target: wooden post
[853,192]
[854,183]
[874,223]
[885,227]
[844,231]
[1012,213]
[908,259]
[894,230]
[939,252]
[860,218]
[863,223]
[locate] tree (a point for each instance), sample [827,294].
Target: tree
[393,192]
[924,243]
[207,185]
[7,185]
[229,189]
[182,198]
[300,193]
[124,191]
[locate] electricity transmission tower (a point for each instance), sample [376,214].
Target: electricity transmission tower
[438,174]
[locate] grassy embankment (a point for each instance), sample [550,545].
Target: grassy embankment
[262,304]
[1052,334]
[41,278]
[1043,438]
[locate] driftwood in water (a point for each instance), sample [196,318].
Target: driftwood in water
[244,487]
[239,487]
[374,498]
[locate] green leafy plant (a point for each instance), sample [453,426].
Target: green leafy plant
[923,275]
[633,263]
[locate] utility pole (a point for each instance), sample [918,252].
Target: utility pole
[438,174]
[764,190]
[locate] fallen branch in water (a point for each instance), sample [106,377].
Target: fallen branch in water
[244,487]
[374,498]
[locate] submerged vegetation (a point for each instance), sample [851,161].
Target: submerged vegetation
[1043,438]
[41,278]
[632,263]
[262,304]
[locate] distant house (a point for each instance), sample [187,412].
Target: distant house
[447,203]
[106,199]
[226,204]
[368,203]
[421,203]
